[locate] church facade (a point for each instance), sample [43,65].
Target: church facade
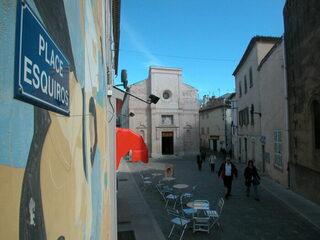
[171,126]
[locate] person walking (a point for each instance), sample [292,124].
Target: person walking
[212,161]
[199,162]
[227,171]
[252,178]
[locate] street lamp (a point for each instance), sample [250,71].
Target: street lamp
[152,98]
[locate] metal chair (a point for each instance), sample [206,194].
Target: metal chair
[145,181]
[201,221]
[190,194]
[172,197]
[144,177]
[163,189]
[179,222]
[186,211]
[215,214]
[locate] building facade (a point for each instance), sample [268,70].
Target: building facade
[215,124]
[302,37]
[170,127]
[274,119]
[57,170]
[247,82]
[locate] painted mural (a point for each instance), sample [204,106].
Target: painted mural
[54,170]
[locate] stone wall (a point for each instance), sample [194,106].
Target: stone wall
[302,40]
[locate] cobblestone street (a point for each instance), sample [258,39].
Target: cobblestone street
[242,216]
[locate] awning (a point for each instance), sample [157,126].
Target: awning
[127,140]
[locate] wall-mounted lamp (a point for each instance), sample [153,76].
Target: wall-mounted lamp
[253,112]
[152,98]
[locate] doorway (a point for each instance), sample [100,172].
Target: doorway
[213,145]
[167,143]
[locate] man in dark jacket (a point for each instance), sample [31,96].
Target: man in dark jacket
[227,171]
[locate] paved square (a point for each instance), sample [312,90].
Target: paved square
[242,216]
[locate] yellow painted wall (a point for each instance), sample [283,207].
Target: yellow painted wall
[76,175]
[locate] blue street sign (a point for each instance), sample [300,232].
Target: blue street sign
[41,70]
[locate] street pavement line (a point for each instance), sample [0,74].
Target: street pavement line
[155,225]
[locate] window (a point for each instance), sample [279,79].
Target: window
[166,94]
[316,123]
[208,130]
[167,119]
[250,77]
[245,84]
[277,149]
[202,130]
[233,128]
[244,117]
[240,90]
[252,114]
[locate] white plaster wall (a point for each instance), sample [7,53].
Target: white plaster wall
[273,108]
[251,132]
[213,119]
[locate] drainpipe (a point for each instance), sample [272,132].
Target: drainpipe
[286,108]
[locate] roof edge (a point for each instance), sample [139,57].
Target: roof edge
[250,46]
[274,47]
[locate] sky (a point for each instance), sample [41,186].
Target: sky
[205,38]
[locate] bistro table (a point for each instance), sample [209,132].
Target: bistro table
[180,186]
[168,179]
[198,205]
[156,174]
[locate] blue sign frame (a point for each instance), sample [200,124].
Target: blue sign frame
[41,69]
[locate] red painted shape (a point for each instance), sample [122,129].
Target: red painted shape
[127,140]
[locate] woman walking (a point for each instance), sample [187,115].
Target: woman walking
[252,178]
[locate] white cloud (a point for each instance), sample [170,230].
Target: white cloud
[151,60]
